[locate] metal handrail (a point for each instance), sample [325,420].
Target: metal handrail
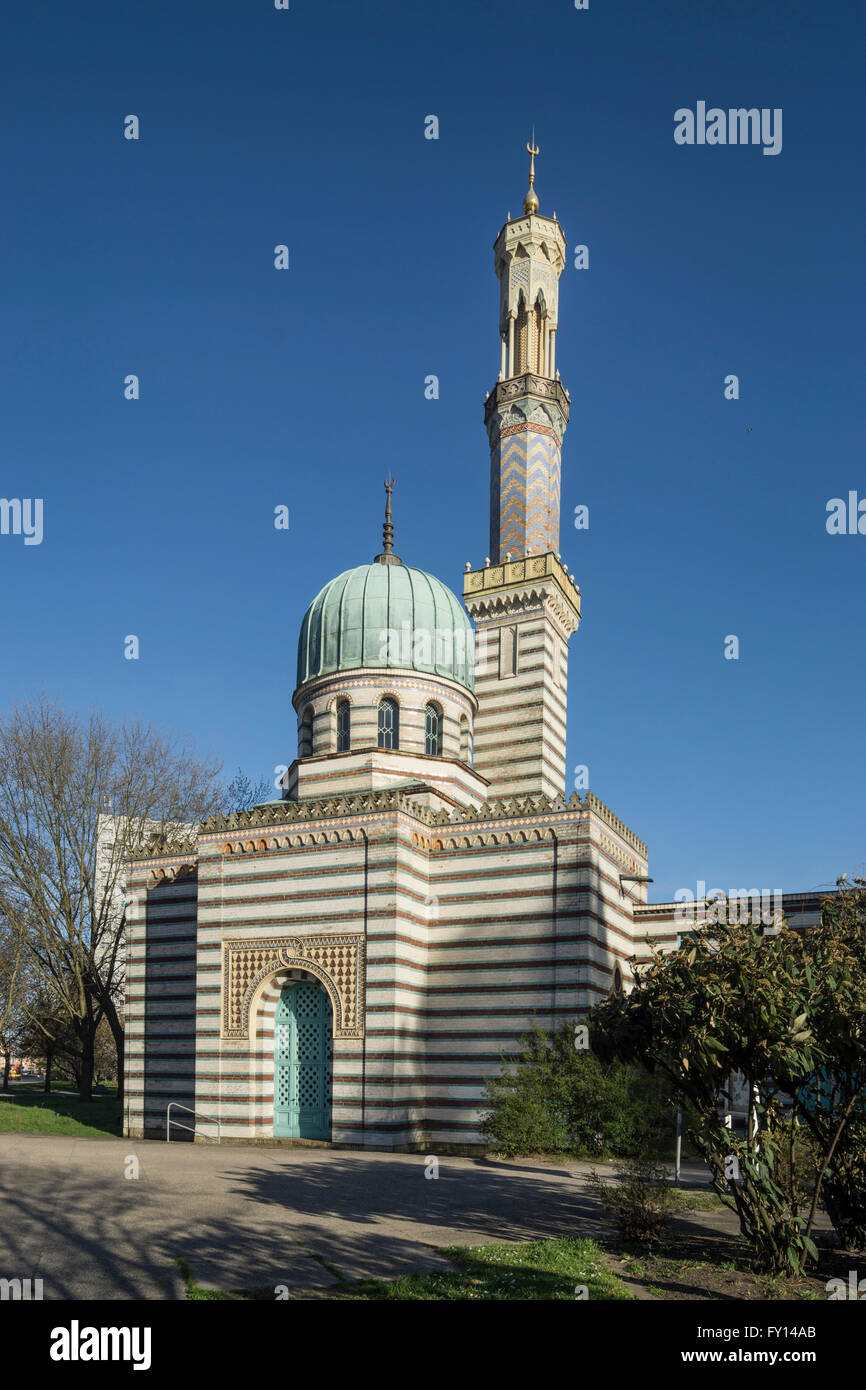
[211,1119]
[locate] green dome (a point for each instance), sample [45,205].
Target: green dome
[345,626]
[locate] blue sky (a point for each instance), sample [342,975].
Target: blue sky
[260,388]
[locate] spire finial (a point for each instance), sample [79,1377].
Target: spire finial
[388,528]
[530,202]
[388,557]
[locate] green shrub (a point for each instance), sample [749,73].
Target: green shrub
[640,1199]
[798,1163]
[552,1098]
[844,1187]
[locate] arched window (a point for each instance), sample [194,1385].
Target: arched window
[433,730]
[617,987]
[521,338]
[305,736]
[344,727]
[389,723]
[538,338]
[464,739]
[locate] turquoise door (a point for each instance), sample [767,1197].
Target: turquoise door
[302,1062]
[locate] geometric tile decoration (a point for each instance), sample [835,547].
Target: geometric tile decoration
[337,961]
[524,513]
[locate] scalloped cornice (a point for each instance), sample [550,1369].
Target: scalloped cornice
[286,813]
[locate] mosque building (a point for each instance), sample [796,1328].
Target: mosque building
[350,963]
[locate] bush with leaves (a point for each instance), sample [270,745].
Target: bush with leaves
[640,1199]
[833,1102]
[844,1188]
[782,1009]
[555,1098]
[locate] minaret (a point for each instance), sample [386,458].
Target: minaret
[524,603]
[527,411]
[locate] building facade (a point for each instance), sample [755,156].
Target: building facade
[348,964]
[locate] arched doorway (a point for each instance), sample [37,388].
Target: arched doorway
[302,1062]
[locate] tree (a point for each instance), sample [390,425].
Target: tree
[105,1054]
[78,795]
[48,1033]
[774,1008]
[10,1042]
[833,1103]
[12,1017]
[242,793]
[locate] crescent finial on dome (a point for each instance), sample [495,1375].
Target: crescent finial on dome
[387,556]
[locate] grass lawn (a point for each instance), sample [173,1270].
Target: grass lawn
[32,1112]
[699,1199]
[537,1269]
[58,1084]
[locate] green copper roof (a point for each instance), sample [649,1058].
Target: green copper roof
[347,625]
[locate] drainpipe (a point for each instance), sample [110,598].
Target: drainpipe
[555,886]
[364,1016]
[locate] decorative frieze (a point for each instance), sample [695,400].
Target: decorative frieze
[170,871]
[497,592]
[287,813]
[336,961]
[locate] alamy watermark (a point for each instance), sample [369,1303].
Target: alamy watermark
[412,646]
[737,126]
[20,1290]
[757,905]
[77,1343]
[854,1289]
[846,516]
[22,516]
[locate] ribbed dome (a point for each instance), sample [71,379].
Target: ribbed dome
[344,627]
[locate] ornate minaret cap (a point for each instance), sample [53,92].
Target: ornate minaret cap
[530,202]
[388,557]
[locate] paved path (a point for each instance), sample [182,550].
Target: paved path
[257,1217]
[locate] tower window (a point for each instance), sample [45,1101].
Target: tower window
[538,339]
[521,335]
[343,726]
[507,652]
[464,739]
[305,736]
[433,730]
[389,723]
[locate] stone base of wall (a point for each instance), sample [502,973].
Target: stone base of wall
[417,1146]
[433,1148]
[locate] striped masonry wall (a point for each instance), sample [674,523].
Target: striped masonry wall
[366,767]
[520,725]
[160,1007]
[412,690]
[473,931]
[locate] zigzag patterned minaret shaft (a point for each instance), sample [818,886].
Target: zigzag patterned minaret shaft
[524,603]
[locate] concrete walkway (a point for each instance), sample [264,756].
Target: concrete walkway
[258,1217]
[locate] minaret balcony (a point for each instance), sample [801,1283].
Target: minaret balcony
[491,593]
[528,384]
